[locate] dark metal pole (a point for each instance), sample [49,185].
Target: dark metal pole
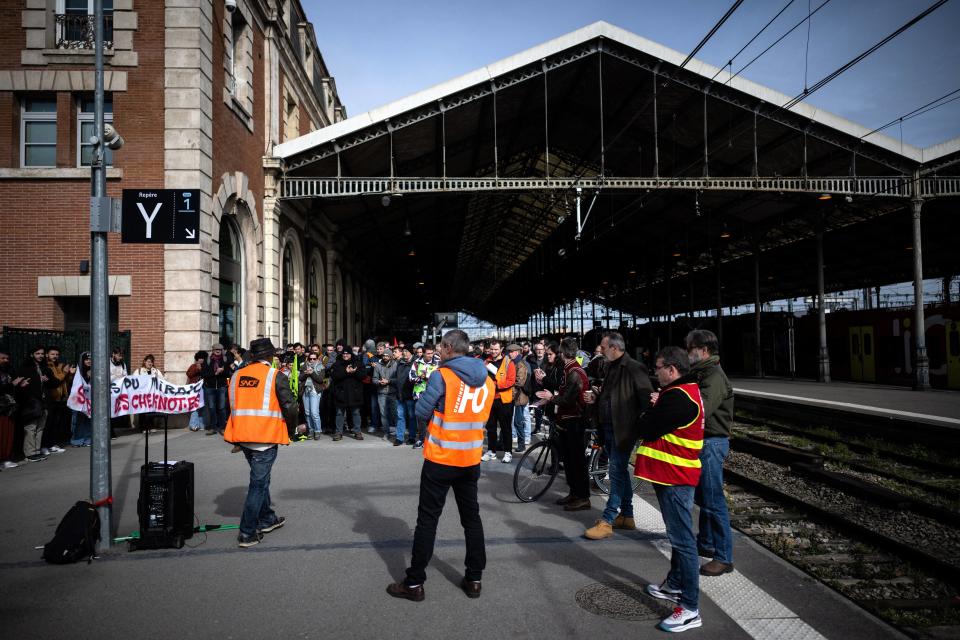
[758,343]
[100,472]
[921,368]
[716,260]
[824,359]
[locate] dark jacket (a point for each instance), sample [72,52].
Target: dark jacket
[672,411]
[32,398]
[347,387]
[569,399]
[716,393]
[213,380]
[403,379]
[626,389]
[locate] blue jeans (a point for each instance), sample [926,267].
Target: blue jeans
[375,421]
[621,485]
[257,513]
[714,535]
[215,403]
[311,407]
[81,430]
[521,425]
[406,415]
[388,412]
[676,507]
[342,418]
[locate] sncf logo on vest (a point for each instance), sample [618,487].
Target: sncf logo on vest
[247,381]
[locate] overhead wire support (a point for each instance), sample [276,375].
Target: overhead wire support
[827,79]
[710,34]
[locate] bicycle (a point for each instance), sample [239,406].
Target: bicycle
[538,467]
[599,472]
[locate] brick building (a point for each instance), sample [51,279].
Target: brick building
[201,95]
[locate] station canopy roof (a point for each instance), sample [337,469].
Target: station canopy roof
[464,196]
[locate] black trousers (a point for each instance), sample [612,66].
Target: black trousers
[435,480]
[501,415]
[573,454]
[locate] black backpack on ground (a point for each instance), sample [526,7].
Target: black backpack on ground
[76,537]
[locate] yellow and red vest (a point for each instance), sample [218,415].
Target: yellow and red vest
[455,436]
[674,459]
[255,414]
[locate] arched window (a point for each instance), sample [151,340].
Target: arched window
[288,293]
[231,282]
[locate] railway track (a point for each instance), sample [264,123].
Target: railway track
[896,553]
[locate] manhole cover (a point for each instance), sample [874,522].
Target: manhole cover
[621,601]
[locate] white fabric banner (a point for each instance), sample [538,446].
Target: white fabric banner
[140,394]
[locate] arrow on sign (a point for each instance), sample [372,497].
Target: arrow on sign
[191,233]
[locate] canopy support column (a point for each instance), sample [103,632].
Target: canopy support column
[921,367]
[824,358]
[758,342]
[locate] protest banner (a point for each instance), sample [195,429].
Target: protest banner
[140,394]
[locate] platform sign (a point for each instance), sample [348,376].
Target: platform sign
[160,216]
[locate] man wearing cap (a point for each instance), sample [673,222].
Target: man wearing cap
[262,407]
[521,397]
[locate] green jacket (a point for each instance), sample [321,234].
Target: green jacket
[717,395]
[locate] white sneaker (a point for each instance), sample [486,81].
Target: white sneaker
[680,620]
[44,451]
[507,457]
[57,449]
[663,592]
[489,455]
[371,430]
[10,464]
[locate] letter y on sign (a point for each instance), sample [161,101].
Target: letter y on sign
[149,218]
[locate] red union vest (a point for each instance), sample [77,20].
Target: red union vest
[674,459]
[455,437]
[255,414]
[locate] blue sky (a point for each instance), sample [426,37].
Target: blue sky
[381,51]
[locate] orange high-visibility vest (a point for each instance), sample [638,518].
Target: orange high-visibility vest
[505,395]
[455,437]
[255,414]
[674,458]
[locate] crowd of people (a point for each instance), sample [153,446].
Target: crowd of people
[677,436]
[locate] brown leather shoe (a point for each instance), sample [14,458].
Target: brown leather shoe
[600,530]
[565,499]
[358,436]
[470,587]
[716,568]
[577,504]
[624,523]
[400,590]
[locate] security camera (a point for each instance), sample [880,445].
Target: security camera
[111,139]
[230,5]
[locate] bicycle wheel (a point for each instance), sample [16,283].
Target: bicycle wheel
[599,470]
[535,471]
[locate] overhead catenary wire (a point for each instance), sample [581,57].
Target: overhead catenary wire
[777,41]
[757,35]
[712,31]
[830,77]
[919,111]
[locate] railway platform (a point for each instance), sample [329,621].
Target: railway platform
[933,407]
[351,508]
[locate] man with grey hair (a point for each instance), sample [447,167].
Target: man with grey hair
[624,395]
[714,540]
